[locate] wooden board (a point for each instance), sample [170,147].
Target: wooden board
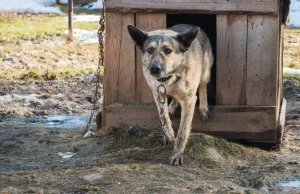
[240,122]
[281,123]
[126,84]
[231,59]
[280,61]
[262,61]
[146,22]
[194,6]
[112,45]
[119,74]
[146,117]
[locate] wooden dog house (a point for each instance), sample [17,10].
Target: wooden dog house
[246,90]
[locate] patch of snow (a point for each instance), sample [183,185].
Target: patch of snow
[45,2]
[89,134]
[28,100]
[85,36]
[96,5]
[295,13]
[28,6]
[59,96]
[6,99]
[290,184]
[50,103]
[290,71]
[64,1]
[66,154]
[93,177]
[85,18]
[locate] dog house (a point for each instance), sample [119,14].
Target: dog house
[245,94]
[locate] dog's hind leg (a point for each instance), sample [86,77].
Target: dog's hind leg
[172,108]
[203,105]
[205,78]
[187,113]
[168,130]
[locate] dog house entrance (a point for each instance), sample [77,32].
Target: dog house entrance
[208,24]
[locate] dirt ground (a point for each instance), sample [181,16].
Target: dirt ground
[127,159]
[134,160]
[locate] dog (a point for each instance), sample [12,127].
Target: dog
[180,58]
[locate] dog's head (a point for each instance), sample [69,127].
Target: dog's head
[162,50]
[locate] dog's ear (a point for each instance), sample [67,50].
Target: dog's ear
[138,36]
[185,39]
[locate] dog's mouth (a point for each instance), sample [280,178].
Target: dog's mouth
[164,79]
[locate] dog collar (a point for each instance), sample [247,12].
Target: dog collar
[164,79]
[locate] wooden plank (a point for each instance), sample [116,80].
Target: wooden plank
[126,84]
[261,137]
[194,6]
[281,123]
[119,65]
[146,117]
[241,121]
[262,53]
[238,119]
[280,60]
[146,22]
[111,57]
[231,59]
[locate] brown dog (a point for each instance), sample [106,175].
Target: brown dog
[180,58]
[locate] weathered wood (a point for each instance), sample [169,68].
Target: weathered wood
[126,67]
[262,53]
[70,17]
[261,137]
[224,119]
[111,57]
[280,61]
[146,117]
[231,59]
[146,22]
[281,123]
[119,74]
[194,6]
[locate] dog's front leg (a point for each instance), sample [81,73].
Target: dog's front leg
[187,113]
[168,130]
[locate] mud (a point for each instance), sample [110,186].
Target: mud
[134,160]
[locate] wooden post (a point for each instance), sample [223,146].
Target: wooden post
[70,17]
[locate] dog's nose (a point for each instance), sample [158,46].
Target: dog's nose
[155,70]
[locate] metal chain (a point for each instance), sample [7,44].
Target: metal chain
[101,33]
[162,100]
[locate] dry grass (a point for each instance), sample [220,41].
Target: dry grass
[291,48]
[22,27]
[48,62]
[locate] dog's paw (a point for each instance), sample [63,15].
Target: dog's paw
[176,159]
[205,115]
[168,140]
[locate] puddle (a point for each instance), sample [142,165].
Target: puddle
[295,183]
[61,121]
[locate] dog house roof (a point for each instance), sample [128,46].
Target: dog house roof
[194,6]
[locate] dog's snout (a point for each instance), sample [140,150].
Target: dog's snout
[155,69]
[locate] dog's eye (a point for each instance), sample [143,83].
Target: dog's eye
[167,51]
[150,50]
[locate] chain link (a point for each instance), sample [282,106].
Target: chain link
[101,33]
[162,100]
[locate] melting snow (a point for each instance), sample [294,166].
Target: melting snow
[295,13]
[291,71]
[27,6]
[39,6]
